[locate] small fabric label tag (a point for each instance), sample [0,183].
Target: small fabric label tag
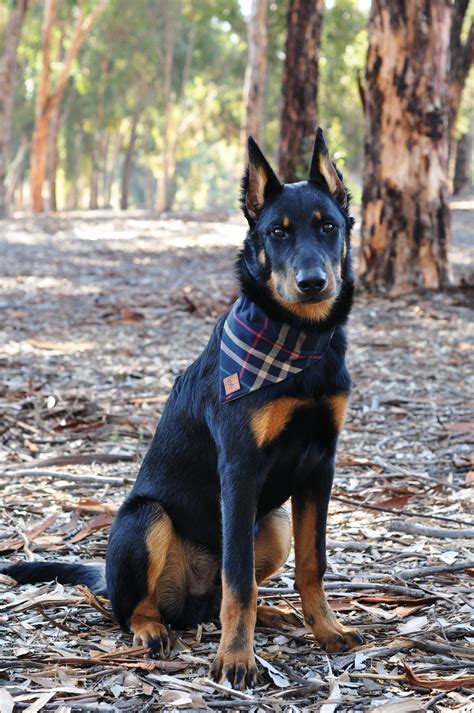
[231,384]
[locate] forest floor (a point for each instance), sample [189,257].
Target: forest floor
[99,313]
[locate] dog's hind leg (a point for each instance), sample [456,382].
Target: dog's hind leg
[139,544]
[272,547]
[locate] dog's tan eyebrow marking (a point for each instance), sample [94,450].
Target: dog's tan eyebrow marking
[285,222]
[317,214]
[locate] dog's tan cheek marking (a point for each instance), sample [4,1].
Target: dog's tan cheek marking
[338,405]
[267,422]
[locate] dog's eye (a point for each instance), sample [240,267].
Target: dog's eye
[328,227]
[278,232]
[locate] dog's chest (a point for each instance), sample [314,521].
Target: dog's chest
[298,420]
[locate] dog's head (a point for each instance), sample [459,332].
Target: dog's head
[298,246]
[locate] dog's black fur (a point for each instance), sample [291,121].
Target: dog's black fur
[203,521]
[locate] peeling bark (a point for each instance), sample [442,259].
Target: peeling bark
[7,77]
[47,104]
[255,74]
[406,221]
[300,84]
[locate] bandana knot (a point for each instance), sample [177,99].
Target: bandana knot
[257,351]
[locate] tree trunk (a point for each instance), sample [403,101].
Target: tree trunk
[300,85]
[461,57]
[47,104]
[162,193]
[15,172]
[255,74]
[40,132]
[54,127]
[94,192]
[7,77]
[127,164]
[462,165]
[73,197]
[103,166]
[405,214]
[110,173]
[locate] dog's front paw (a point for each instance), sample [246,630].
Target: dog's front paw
[238,668]
[155,635]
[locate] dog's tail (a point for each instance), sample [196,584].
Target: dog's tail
[92,575]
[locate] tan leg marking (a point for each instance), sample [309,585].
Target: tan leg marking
[235,660]
[146,622]
[273,543]
[328,632]
[338,404]
[267,422]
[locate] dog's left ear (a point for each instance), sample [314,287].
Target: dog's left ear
[259,183]
[324,172]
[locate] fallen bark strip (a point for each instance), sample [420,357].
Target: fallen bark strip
[73,477]
[427,571]
[395,511]
[432,647]
[416,529]
[341,586]
[84,459]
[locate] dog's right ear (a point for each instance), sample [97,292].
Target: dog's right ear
[258,185]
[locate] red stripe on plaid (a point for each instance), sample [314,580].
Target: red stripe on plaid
[255,342]
[280,346]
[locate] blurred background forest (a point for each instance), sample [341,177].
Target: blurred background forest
[109,104]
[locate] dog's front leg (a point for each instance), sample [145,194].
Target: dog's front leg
[309,509]
[235,659]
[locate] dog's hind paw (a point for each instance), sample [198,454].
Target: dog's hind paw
[155,635]
[275,618]
[238,668]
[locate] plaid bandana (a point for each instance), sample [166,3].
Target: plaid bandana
[257,351]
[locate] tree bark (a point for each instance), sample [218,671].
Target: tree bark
[405,213]
[15,172]
[162,193]
[300,85]
[256,72]
[462,165]
[127,164]
[461,58]
[7,76]
[111,173]
[46,103]
[94,192]
[52,158]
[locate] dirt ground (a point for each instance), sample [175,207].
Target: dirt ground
[99,313]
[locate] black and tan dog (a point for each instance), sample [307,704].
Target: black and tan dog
[204,522]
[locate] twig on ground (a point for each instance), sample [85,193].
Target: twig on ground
[413,528]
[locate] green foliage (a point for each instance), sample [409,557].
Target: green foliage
[120,73]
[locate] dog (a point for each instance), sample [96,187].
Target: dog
[253,422]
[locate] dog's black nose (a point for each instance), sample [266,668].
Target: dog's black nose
[311,280]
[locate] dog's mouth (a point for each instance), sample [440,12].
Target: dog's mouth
[314,298]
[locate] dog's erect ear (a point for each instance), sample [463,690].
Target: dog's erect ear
[324,172]
[259,183]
